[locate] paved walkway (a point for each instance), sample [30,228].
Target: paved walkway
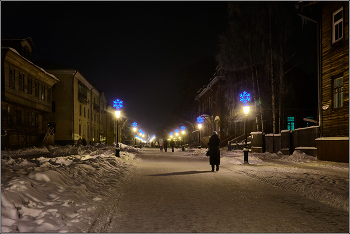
[170,192]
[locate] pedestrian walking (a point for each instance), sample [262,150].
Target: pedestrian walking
[165,145]
[214,157]
[172,144]
[161,143]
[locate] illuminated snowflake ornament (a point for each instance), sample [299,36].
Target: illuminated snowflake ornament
[118,104]
[183,128]
[244,97]
[199,120]
[134,124]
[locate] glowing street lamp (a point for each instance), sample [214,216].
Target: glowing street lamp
[199,121]
[171,135]
[176,132]
[118,104]
[245,97]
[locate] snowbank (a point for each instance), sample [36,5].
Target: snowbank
[54,194]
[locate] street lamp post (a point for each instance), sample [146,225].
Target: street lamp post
[183,137]
[245,97]
[117,104]
[134,129]
[199,121]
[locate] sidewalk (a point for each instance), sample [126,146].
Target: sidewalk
[322,181]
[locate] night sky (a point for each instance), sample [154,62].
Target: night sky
[134,51]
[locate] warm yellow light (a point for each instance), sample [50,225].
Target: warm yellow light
[183,132]
[117,114]
[199,126]
[134,129]
[246,109]
[177,134]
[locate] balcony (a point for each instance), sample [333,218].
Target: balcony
[82,98]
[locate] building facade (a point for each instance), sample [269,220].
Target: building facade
[26,95]
[334,42]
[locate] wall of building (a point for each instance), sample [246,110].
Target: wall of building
[335,63]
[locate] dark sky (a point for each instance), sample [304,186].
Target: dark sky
[133,51]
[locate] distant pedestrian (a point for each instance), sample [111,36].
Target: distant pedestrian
[166,145]
[156,144]
[172,144]
[161,143]
[214,158]
[84,142]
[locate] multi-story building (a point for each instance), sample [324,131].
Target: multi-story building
[26,95]
[210,107]
[75,114]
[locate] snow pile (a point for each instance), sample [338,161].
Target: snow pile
[54,194]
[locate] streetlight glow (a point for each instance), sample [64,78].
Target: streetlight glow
[246,109]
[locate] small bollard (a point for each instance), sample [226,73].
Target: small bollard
[245,152]
[229,148]
[183,148]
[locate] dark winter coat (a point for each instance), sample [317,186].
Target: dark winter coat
[172,143]
[214,142]
[165,143]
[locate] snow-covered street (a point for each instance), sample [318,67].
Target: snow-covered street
[87,189]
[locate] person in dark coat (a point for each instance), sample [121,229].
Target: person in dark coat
[165,145]
[172,144]
[214,158]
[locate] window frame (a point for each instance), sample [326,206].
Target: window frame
[338,93]
[29,85]
[334,24]
[21,80]
[36,89]
[12,78]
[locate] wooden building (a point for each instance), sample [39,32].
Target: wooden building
[333,22]
[334,142]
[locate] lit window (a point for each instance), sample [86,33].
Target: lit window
[290,123]
[337,25]
[338,92]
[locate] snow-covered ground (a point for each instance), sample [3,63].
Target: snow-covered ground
[55,193]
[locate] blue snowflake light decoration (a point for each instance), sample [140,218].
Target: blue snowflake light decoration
[199,120]
[176,131]
[118,104]
[244,97]
[134,124]
[171,134]
[140,131]
[183,128]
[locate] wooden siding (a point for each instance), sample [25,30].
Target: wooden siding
[335,62]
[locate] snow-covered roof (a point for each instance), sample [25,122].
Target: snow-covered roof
[36,66]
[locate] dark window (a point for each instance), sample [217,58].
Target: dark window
[36,86]
[21,82]
[33,119]
[79,130]
[84,111]
[53,107]
[29,86]
[80,109]
[18,117]
[43,89]
[338,25]
[48,94]
[338,92]
[12,78]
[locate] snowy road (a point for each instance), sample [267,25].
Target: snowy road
[173,192]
